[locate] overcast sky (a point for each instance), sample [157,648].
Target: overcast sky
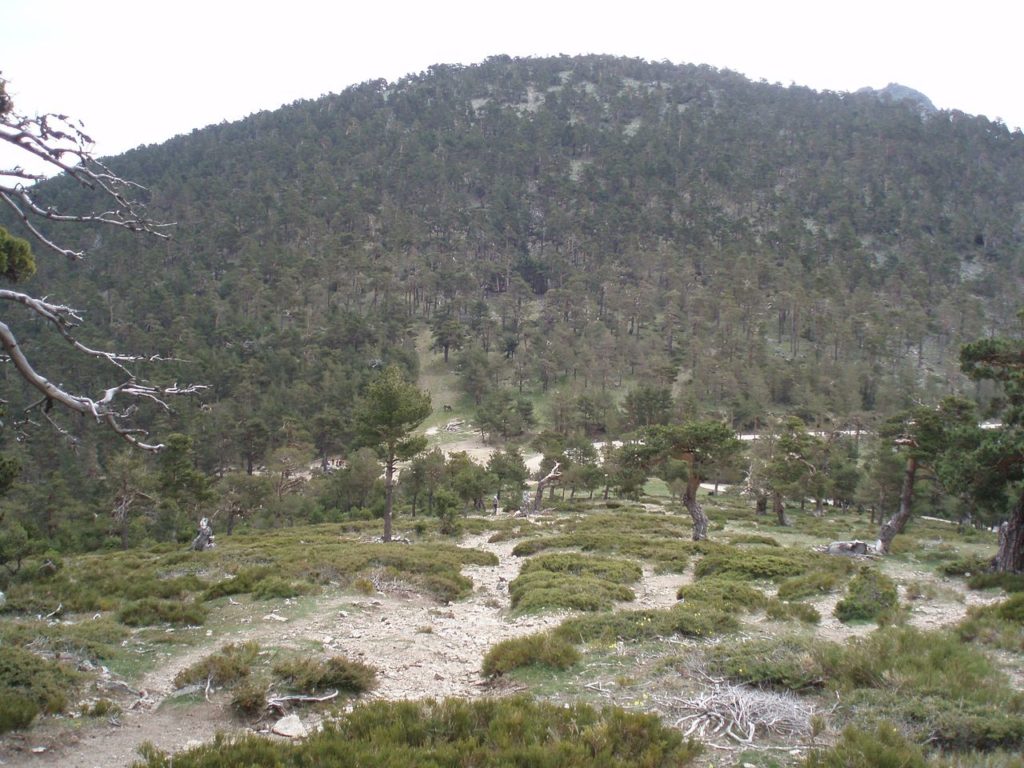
[141,71]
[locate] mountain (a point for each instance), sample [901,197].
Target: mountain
[582,224]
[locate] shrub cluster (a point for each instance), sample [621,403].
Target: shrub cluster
[489,733]
[545,649]
[929,684]
[307,675]
[228,666]
[30,684]
[869,596]
[572,581]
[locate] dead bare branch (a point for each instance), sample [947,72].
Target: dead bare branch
[59,143]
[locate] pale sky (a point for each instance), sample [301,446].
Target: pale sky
[141,71]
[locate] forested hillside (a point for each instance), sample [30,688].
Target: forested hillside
[567,228]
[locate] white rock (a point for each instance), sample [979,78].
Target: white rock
[274,617]
[290,726]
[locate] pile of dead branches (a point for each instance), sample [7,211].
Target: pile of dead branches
[740,713]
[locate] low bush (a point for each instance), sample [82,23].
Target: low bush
[17,711]
[45,683]
[244,581]
[687,620]
[781,610]
[965,566]
[727,594]
[487,733]
[572,581]
[749,564]
[1000,625]
[780,663]
[544,590]
[228,666]
[884,747]
[869,595]
[825,579]
[1009,582]
[275,587]
[542,650]
[250,698]
[152,610]
[312,675]
[753,538]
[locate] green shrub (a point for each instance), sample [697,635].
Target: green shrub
[47,684]
[618,571]
[17,711]
[152,610]
[311,675]
[275,587]
[753,538]
[884,747]
[543,649]
[781,663]
[780,610]
[543,590]
[226,667]
[696,620]
[755,563]
[572,581]
[869,595]
[244,581]
[250,698]
[1010,582]
[965,566]
[490,733]
[1000,625]
[816,582]
[723,593]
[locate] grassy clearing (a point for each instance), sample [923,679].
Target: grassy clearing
[487,733]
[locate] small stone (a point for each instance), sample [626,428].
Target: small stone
[290,726]
[274,617]
[38,750]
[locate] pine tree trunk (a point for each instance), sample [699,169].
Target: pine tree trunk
[389,494]
[1010,556]
[700,519]
[898,522]
[762,505]
[779,508]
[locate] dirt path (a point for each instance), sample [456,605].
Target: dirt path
[418,647]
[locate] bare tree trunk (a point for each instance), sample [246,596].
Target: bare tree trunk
[1010,555]
[389,495]
[761,507]
[779,507]
[700,518]
[544,482]
[898,522]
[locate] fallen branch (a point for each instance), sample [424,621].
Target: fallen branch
[300,698]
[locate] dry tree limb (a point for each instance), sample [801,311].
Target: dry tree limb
[57,143]
[278,702]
